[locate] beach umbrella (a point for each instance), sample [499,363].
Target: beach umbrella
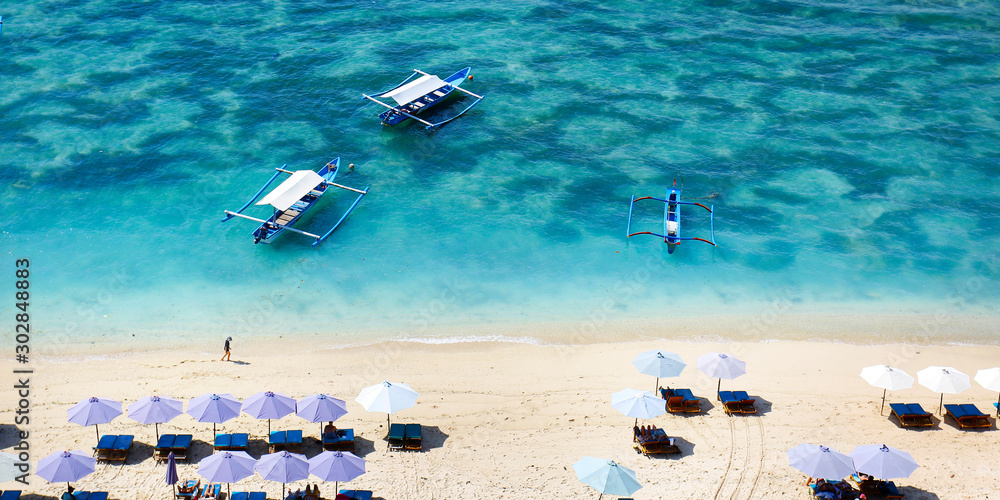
[320,408]
[226,467]
[215,408]
[94,411]
[387,397]
[990,379]
[883,462]
[268,405]
[283,466]
[336,466]
[943,379]
[659,364]
[155,410]
[721,366]
[606,476]
[638,404]
[821,461]
[172,476]
[8,469]
[65,467]
[886,378]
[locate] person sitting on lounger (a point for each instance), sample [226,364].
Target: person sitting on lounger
[209,492]
[330,429]
[190,489]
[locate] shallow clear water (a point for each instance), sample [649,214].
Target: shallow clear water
[849,148]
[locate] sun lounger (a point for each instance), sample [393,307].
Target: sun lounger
[162,448]
[215,489]
[729,402]
[190,484]
[910,415]
[967,416]
[675,404]
[253,495]
[655,442]
[105,446]
[342,440]
[692,404]
[239,442]
[356,494]
[413,437]
[180,447]
[90,495]
[889,490]
[239,495]
[285,440]
[222,442]
[397,433]
[10,495]
[746,403]
[276,441]
[122,446]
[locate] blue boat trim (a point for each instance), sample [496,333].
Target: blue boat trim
[282,220]
[395,115]
[672,219]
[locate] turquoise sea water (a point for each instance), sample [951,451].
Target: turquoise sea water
[850,150]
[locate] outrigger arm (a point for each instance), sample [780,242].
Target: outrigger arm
[292,229]
[255,196]
[711,211]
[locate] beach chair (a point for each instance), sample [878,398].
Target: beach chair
[276,441]
[190,484]
[889,491]
[222,442]
[729,402]
[239,442]
[692,403]
[345,440]
[910,415]
[746,403]
[331,441]
[239,495]
[293,441]
[967,416]
[90,495]
[675,404]
[162,448]
[214,488]
[180,447]
[413,437]
[666,393]
[10,495]
[357,494]
[397,433]
[105,446]
[122,446]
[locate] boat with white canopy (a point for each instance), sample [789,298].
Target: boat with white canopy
[416,95]
[292,199]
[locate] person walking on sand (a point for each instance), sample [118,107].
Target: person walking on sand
[225,357]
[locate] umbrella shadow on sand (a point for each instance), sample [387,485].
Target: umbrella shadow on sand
[917,493]
[9,436]
[139,453]
[762,405]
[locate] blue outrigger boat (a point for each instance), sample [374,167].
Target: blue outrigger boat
[415,97]
[671,219]
[292,199]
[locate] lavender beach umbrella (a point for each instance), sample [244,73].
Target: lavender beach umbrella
[226,467]
[821,461]
[659,364]
[268,405]
[215,408]
[94,411]
[172,476]
[721,366]
[155,410]
[387,397]
[336,466]
[320,408]
[283,466]
[883,462]
[65,467]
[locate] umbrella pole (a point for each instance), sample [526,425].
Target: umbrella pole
[941,403]
[98,432]
[718,388]
[156,427]
[882,410]
[269,428]
[998,406]
[657,385]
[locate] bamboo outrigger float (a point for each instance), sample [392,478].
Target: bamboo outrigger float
[415,97]
[671,219]
[292,199]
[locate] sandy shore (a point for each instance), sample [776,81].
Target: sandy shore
[509,420]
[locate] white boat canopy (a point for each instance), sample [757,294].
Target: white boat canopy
[292,190]
[419,87]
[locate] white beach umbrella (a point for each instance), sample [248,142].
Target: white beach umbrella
[387,397]
[883,462]
[886,378]
[8,467]
[638,404]
[943,379]
[990,380]
[721,366]
[821,461]
[659,364]
[606,476]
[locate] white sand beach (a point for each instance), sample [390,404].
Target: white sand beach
[504,420]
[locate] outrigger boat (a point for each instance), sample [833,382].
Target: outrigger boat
[415,97]
[292,199]
[671,219]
